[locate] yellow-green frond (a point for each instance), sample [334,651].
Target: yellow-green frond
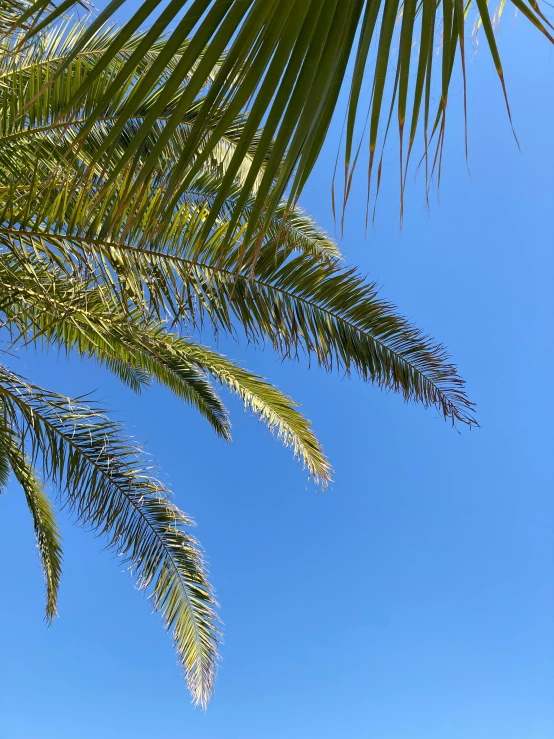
[81,450]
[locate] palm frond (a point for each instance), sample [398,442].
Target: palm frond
[148,186]
[81,451]
[44,522]
[298,303]
[276,410]
[33,125]
[286,60]
[270,284]
[39,304]
[5,439]
[11,16]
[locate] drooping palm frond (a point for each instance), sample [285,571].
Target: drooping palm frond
[297,302]
[275,409]
[44,522]
[120,235]
[277,283]
[40,303]
[5,439]
[286,60]
[14,459]
[108,486]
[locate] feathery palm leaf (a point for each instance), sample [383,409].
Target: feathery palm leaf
[13,459]
[297,302]
[282,283]
[287,60]
[44,521]
[81,450]
[34,131]
[130,188]
[41,303]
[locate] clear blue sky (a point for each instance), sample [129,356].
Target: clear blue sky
[415,598]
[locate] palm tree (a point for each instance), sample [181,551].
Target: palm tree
[93,262]
[286,60]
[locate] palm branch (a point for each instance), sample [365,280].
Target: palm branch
[101,476]
[120,254]
[286,60]
[284,283]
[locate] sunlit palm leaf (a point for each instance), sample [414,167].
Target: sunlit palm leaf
[273,282]
[39,302]
[81,451]
[299,303]
[275,409]
[44,522]
[34,133]
[286,60]
[140,199]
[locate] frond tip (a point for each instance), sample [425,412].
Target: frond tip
[13,458]
[276,410]
[46,529]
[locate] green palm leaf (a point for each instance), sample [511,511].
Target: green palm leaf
[40,304]
[298,303]
[277,410]
[286,59]
[82,451]
[147,188]
[44,521]
[13,459]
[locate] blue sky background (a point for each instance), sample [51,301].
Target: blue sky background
[415,598]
